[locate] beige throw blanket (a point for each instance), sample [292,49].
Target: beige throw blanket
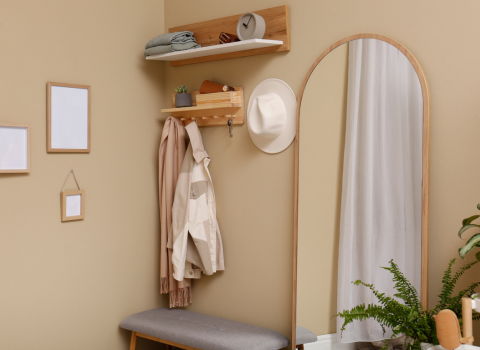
[171,154]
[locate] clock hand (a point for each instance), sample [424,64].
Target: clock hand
[246,25]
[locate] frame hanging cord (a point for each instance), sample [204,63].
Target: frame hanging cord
[71,172]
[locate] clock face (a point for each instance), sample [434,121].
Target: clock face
[247,26]
[250,26]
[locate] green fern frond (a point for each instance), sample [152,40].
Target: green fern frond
[362,312]
[455,303]
[447,288]
[389,303]
[407,292]
[446,280]
[462,270]
[446,300]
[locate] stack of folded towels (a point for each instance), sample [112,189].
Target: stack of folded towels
[171,42]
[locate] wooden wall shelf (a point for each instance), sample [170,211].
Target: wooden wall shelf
[276,38]
[216,50]
[212,109]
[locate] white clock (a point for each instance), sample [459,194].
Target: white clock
[250,26]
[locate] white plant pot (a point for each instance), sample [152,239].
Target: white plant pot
[476,302]
[425,346]
[461,347]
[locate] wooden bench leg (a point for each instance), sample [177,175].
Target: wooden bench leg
[133,341]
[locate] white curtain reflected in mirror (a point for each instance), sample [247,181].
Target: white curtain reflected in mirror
[359,184]
[382,180]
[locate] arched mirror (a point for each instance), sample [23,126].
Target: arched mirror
[362,183]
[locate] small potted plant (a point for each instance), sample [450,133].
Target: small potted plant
[182,98]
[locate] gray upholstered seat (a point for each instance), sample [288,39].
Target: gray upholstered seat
[305,336]
[202,331]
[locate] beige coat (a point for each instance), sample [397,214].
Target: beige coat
[171,156]
[195,236]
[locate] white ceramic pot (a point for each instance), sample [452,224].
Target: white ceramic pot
[425,346]
[476,302]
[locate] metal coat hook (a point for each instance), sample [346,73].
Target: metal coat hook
[230,126]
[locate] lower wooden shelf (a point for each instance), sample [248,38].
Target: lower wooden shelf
[214,109]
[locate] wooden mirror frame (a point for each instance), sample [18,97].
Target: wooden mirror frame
[425,165]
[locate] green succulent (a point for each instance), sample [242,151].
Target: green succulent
[474,241]
[182,89]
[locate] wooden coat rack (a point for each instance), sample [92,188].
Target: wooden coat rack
[212,109]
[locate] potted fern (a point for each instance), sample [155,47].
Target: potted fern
[403,312]
[182,98]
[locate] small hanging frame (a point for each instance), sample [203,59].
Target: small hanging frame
[72,203]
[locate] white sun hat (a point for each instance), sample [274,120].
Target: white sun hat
[271,116]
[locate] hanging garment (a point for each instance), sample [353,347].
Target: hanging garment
[382,180]
[195,235]
[171,155]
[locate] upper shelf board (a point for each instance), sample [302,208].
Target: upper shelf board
[276,38]
[216,49]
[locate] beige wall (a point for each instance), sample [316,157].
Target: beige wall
[68,285]
[255,190]
[322,140]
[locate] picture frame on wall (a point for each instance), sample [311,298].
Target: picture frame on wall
[73,205]
[68,118]
[14,148]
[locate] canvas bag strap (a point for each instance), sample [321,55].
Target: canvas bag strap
[71,172]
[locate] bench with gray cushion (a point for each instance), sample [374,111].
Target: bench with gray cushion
[193,331]
[304,336]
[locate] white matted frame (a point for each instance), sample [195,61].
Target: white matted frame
[14,148]
[68,118]
[73,205]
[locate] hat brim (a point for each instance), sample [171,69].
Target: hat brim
[282,89]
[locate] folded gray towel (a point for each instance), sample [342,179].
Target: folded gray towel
[171,38]
[157,50]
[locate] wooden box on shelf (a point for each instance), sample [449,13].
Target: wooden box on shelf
[232,97]
[212,109]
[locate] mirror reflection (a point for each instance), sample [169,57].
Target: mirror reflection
[360,186]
